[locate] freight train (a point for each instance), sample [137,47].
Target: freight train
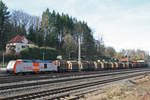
[64,66]
[34,66]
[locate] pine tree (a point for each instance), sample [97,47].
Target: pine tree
[32,35]
[4,15]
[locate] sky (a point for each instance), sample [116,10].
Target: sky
[123,24]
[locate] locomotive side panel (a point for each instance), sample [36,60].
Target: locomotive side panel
[20,66]
[23,67]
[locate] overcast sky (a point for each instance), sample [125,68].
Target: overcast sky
[122,23]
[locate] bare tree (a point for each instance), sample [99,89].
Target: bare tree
[69,45]
[78,30]
[20,18]
[21,21]
[35,22]
[110,52]
[133,54]
[100,48]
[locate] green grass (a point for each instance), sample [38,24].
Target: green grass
[1,65]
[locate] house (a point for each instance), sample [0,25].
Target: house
[15,45]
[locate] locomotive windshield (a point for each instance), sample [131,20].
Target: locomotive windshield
[11,64]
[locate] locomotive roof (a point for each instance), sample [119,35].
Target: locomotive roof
[39,61]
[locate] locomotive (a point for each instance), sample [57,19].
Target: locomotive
[34,66]
[23,66]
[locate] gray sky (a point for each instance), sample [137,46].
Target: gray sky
[122,23]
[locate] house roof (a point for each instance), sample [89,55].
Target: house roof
[19,39]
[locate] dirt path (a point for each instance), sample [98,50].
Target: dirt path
[135,89]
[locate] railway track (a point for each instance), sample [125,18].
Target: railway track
[7,78]
[60,79]
[66,90]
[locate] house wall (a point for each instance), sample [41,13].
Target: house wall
[18,46]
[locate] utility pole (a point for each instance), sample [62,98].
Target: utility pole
[3,58]
[44,44]
[43,55]
[127,57]
[79,52]
[79,49]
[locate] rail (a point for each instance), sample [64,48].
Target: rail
[60,92]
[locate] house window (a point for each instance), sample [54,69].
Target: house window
[45,66]
[23,46]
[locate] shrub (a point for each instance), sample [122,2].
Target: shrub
[37,53]
[8,57]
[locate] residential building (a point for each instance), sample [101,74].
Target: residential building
[18,43]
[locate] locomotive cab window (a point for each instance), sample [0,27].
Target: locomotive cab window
[45,66]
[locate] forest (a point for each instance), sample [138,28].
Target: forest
[58,31]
